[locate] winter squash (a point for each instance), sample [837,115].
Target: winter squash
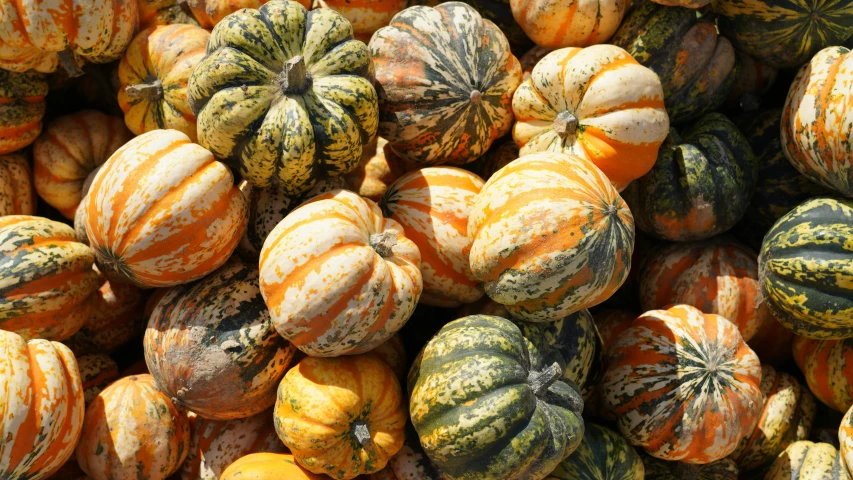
[393,354]
[445,78]
[96,372]
[789,410]
[41,411]
[379,168]
[568,23]
[845,439]
[17,194]
[611,323]
[47,278]
[824,363]
[531,58]
[432,205]
[753,81]
[725,469]
[341,416]
[366,16]
[805,276]
[480,371]
[133,431]
[602,455]
[720,391]
[268,466]
[500,13]
[21,108]
[700,185]
[805,460]
[210,12]
[368,277]
[697,67]
[787,33]
[540,204]
[283,93]
[68,153]
[618,129]
[815,135]
[163,212]
[153,75]
[212,347]
[163,12]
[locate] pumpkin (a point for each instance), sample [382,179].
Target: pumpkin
[531,58]
[538,205]
[784,33]
[697,67]
[68,153]
[345,293]
[133,431]
[480,371]
[445,78]
[41,410]
[824,365]
[393,354]
[805,460]
[845,439]
[17,195]
[753,81]
[789,410]
[700,185]
[379,168]
[212,347]
[283,93]
[22,107]
[611,323]
[815,133]
[772,342]
[216,444]
[602,455]
[267,466]
[163,212]
[209,13]
[154,73]
[719,392]
[500,13]
[366,16]
[575,102]
[568,23]
[725,469]
[499,156]
[163,12]
[96,372]
[38,35]
[47,277]
[805,276]
[341,416]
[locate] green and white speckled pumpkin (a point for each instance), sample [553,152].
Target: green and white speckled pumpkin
[602,455]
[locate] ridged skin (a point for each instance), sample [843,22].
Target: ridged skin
[805,460]
[619,130]
[817,123]
[678,364]
[285,137]
[445,78]
[569,23]
[167,54]
[500,13]
[96,372]
[209,13]
[268,466]
[366,16]
[69,150]
[550,236]
[163,212]
[319,402]
[21,108]
[602,455]
[611,323]
[845,439]
[212,347]
[163,12]
[488,403]
[825,365]
[17,193]
[805,269]
[336,294]
[41,406]
[379,168]
[656,469]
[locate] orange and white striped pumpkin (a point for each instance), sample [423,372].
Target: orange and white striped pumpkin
[576,102]
[96,372]
[68,153]
[611,324]
[433,205]
[569,23]
[22,107]
[366,16]
[163,12]
[17,194]
[338,278]
[41,408]
[825,365]
[550,236]
[162,211]
[268,466]
[133,431]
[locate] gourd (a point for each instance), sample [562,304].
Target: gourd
[267,466]
[824,363]
[366,16]
[379,168]
[22,107]
[805,460]
[96,372]
[845,439]
[163,12]
[602,455]
[568,23]
[209,13]
[17,194]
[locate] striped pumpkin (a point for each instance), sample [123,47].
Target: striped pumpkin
[366,16]
[805,276]
[153,75]
[433,205]
[541,204]
[784,33]
[212,347]
[805,460]
[22,107]
[845,440]
[283,93]
[47,278]
[96,372]
[824,364]
[393,354]
[498,12]
[163,12]
[132,431]
[644,369]
[602,455]
[41,410]
[68,153]
[700,185]
[367,273]
[697,67]
[618,129]
[268,466]
[568,23]
[753,81]
[379,168]
[341,416]
[725,469]
[611,323]
[17,194]
[209,13]
[163,212]
[772,342]
[816,127]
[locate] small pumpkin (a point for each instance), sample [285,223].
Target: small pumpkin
[163,12]
[656,469]
[366,16]
[379,168]
[22,107]
[568,23]
[268,466]
[805,460]
[17,194]
[500,13]
[96,372]
[209,13]
[393,354]
[602,455]
[845,439]
[824,365]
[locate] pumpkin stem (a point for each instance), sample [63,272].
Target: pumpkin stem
[383,243]
[361,433]
[150,91]
[565,124]
[69,63]
[294,77]
[476,97]
[540,381]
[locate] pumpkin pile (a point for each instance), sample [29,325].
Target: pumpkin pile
[413,240]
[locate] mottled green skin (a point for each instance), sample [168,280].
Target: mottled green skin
[656,469]
[498,11]
[700,185]
[474,407]
[806,269]
[602,455]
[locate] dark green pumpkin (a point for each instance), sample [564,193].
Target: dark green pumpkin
[656,469]
[806,269]
[700,185]
[602,455]
[488,403]
[285,94]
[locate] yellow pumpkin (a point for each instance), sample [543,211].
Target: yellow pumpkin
[17,195]
[268,466]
